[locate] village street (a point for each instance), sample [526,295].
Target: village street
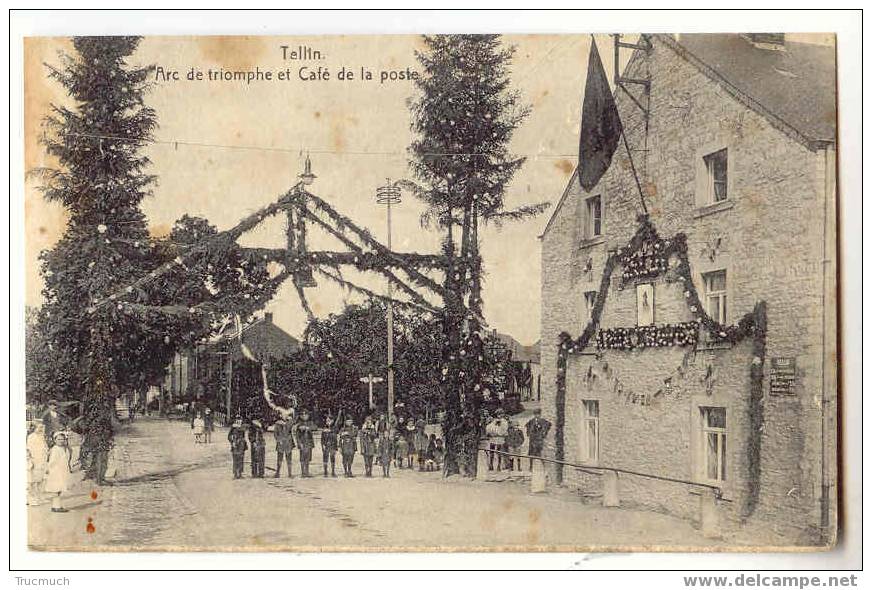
[169,492]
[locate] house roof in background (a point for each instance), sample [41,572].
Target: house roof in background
[263,338]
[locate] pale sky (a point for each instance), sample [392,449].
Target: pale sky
[357,133]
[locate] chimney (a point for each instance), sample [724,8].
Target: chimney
[267,317]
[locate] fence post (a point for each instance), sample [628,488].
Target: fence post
[538,481]
[708,514]
[481,470]
[610,489]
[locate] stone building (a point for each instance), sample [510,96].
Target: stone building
[711,322]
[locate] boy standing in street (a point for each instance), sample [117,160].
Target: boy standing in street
[348,446]
[385,452]
[329,443]
[258,448]
[305,441]
[238,446]
[284,445]
[368,444]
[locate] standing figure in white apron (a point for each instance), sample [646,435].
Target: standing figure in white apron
[37,454]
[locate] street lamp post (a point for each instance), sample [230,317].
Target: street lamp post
[389,194]
[369,379]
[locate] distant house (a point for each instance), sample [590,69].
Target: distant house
[525,357]
[204,374]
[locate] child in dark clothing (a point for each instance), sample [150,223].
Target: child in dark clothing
[440,453]
[385,452]
[402,450]
[431,453]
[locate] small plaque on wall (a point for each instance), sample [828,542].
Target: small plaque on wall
[782,375]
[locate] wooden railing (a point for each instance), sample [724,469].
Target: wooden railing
[710,495]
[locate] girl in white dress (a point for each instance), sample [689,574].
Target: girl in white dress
[199,427]
[59,471]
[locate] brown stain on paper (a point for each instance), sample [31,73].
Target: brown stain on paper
[534,527]
[564,165]
[235,52]
[159,230]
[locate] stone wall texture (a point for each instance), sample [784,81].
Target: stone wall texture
[769,237]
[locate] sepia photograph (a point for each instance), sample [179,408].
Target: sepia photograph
[438,292]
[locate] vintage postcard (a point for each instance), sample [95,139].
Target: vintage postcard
[431,293]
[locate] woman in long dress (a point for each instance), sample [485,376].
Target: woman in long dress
[59,471]
[37,453]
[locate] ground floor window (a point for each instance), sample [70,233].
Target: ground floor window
[714,443]
[590,431]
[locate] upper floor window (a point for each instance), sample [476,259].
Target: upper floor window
[715,287]
[716,176]
[593,217]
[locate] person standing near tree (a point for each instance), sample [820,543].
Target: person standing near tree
[422,443]
[402,449]
[497,430]
[329,444]
[410,440]
[368,435]
[304,430]
[284,445]
[37,454]
[514,442]
[238,446]
[348,446]
[98,439]
[537,429]
[52,421]
[208,425]
[258,448]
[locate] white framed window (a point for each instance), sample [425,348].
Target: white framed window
[593,217]
[716,166]
[590,431]
[714,443]
[644,304]
[589,302]
[715,289]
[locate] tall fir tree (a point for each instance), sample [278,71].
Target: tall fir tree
[101,181]
[464,119]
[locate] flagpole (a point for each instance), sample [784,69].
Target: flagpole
[633,168]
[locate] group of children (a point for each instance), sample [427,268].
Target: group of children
[202,426]
[381,442]
[427,451]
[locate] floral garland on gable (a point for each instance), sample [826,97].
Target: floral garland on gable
[647,255]
[753,324]
[683,334]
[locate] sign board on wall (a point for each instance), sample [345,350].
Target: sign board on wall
[782,375]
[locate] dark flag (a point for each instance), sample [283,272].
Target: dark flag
[600,124]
